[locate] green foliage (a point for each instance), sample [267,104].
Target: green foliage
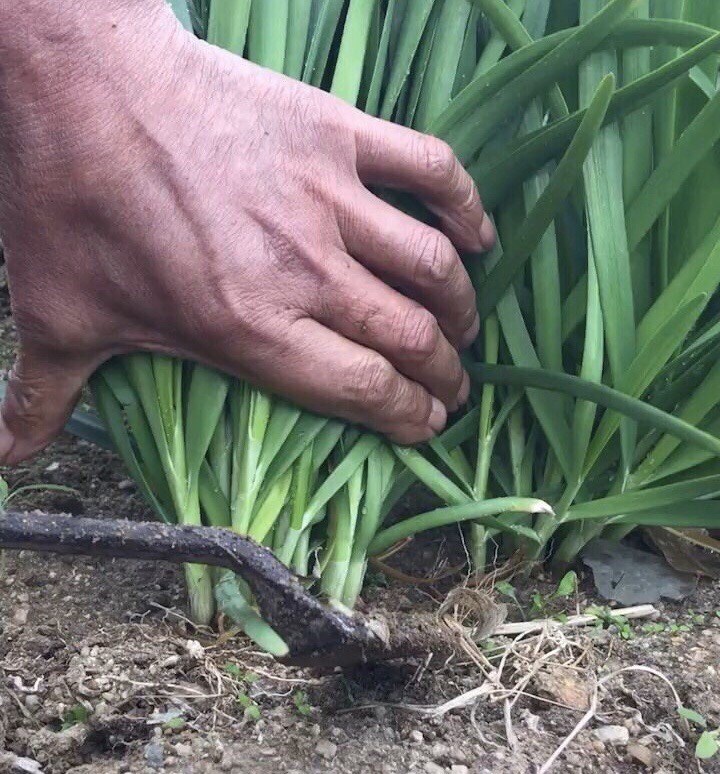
[692,716]
[251,711]
[541,605]
[4,492]
[175,724]
[607,617]
[300,700]
[707,744]
[241,675]
[7,494]
[507,589]
[593,137]
[567,586]
[77,714]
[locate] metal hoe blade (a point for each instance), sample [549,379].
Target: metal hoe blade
[315,635]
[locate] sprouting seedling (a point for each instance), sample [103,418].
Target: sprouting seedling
[75,715]
[507,589]
[606,617]
[302,705]
[175,724]
[565,588]
[242,680]
[250,708]
[239,674]
[7,494]
[707,744]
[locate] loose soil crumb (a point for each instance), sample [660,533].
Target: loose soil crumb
[101,673]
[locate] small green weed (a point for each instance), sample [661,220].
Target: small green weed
[300,700]
[76,714]
[707,744]
[607,617]
[250,707]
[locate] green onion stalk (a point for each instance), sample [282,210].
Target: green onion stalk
[208,449]
[617,372]
[596,386]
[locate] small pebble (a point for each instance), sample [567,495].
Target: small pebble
[459,768]
[416,737]
[433,768]
[20,616]
[531,721]
[27,766]
[183,750]
[640,753]
[457,755]
[326,749]
[613,735]
[194,649]
[440,751]
[154,756]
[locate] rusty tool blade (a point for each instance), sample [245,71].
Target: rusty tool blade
[315,634]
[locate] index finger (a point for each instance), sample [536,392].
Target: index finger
[397,157]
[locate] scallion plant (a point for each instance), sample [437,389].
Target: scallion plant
[592,136]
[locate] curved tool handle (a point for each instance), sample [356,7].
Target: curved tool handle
[314,634]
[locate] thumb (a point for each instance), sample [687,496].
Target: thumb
[40,396]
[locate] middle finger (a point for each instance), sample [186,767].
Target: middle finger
[364,309]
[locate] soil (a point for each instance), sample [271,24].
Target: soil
[101,672]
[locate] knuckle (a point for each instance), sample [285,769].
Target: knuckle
[30,405]
[421,404]
[25,393]
[468,195]
[439,160]
[221,312]
[349,210]
[419,334]
[467,315]
[373,382]
[458,374]
[436,258]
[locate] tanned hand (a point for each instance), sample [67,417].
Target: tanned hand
[157,193]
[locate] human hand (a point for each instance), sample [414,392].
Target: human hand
[161,194]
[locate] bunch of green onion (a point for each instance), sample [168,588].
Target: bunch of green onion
[591,130]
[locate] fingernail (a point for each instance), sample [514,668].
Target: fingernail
[487,233]
[438,416]
[464,393]
[471,334]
